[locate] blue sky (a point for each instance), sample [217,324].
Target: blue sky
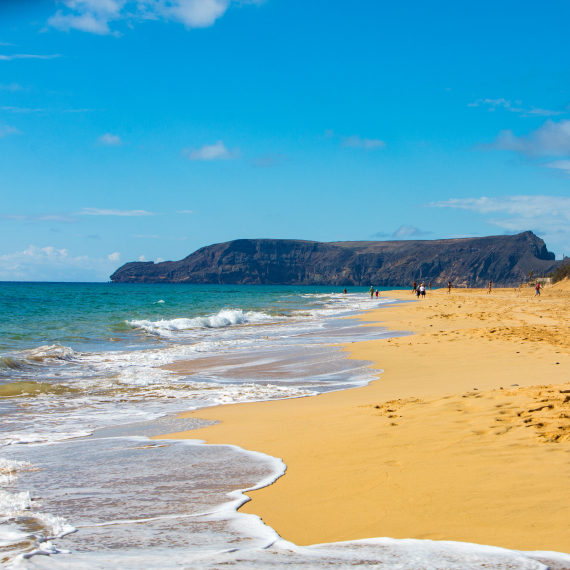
[148,129]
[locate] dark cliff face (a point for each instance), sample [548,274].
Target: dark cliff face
[472,262]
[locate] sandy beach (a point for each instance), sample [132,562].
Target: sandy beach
[464,436]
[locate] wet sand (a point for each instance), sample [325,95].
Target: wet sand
[465,435]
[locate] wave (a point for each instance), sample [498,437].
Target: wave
[225,318]
[40,355]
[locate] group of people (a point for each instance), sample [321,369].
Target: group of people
[420,290]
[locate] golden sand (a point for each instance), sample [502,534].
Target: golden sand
[465,435]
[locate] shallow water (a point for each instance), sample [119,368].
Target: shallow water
[83,387]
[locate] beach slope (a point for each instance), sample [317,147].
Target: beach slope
[465,435]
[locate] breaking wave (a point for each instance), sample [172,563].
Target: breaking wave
[225,318]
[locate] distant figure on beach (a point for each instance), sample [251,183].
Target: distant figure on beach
[418,292]
[537,289]
[423,289]
[415,286]
[490,287]
[345,291]
[377,293]
[448,287]
[371,292]
[429,285]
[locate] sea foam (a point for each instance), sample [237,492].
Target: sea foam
[224,318]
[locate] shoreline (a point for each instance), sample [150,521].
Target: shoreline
[419,453]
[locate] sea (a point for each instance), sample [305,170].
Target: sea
[83,388]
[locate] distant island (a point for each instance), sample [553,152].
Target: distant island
[467,262]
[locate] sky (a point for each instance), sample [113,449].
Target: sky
[144,130]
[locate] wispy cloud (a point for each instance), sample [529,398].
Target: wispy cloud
[563,165]
[110,140]
[114,256]
[96,16]
[39,218]
[527,206]
[42,110]
[494,104]
[110,212]
[216,151]
[186,212]
[356,142]
[548,216]
[28,56]
[403,232]
[53,264]
[269,160]
[10,87]
[22,109]
[550,139]
[6,130]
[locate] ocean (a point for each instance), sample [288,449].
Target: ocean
[82,388]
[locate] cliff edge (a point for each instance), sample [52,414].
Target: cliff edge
[470,262]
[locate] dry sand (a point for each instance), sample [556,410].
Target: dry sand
[465,435]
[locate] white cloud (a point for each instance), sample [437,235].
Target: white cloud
[84,22]
[23,109]
[27,56]
[409,231]
[159,260]
[115,256]
[43,110]
[109,212]
[559,164]
[110,140]
[526,206]
[10,87]
[547,216]
[52,264]
[142,258]
[403,232]
[269,160]
[551,139]
[356,142]
[494,104]
[6,130]
[216,151]
[38,218]
[95,16]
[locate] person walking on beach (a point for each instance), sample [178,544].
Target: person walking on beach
[448,287]
[371,292]
[490,287]
[537,289]
[429,285]
[415,286]
[345,291]
[423,289]
[377,293]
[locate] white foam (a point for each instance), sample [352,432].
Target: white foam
[252,545]
[224,318]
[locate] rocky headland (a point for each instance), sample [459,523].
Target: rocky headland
[468,262]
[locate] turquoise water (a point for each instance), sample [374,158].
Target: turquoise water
[86,316]
[86,377]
